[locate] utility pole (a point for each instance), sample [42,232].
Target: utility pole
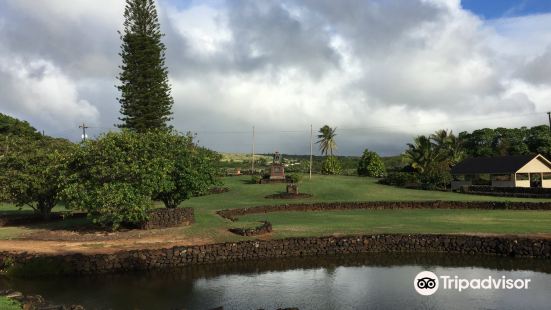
[311,141]
[549,116]
[84,127]
[252,161]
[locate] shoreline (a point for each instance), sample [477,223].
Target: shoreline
[181,256]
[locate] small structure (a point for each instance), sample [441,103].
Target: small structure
[505,171]
[277,171]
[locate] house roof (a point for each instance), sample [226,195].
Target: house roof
[492,165]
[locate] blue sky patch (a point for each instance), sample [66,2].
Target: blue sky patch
[490,9]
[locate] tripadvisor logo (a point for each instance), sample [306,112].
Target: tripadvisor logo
[427,283]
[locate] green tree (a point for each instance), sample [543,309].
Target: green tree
[193,173]
[539,140]
[331,165]
[10,126]
[479,143]
[327,140]
[371,165]
[421,153]
[32,171]
[449,147]
[115,177]
[145,98]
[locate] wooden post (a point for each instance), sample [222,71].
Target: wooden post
[252,160]
[311,147]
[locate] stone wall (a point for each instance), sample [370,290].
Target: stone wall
[233,214]
[522,192]
[165,217]
[181,256]
[265,228]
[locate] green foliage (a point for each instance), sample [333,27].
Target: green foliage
[437,176]
[400,179]
[32,172]
[433,156]
[145,99]
[331,165]
[115,176]
[371,165]
[489,142]
[9,304]
[10,126]
[193,173]
[327,140]
[294,178]
[255,179]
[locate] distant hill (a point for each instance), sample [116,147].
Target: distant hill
[10,126]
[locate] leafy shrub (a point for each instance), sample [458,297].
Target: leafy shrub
[400,179]
[371,165]
[192,173]
[255,179]
[331,165]
[436,176]
[115,176]
[294,178]
[32,170]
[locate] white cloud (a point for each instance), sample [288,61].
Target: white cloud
[39,90]
[396,68]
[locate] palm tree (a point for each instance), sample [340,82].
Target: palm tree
[422,153]
[327,140]
[449,146]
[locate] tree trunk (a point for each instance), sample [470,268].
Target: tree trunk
[45,210]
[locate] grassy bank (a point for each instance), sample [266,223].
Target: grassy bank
[209,226]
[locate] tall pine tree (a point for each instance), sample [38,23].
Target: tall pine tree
[145,99]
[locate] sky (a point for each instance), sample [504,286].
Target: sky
[381,71]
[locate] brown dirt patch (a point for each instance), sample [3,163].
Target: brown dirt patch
[288,196]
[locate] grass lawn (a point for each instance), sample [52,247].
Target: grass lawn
[9,304]
[341,188]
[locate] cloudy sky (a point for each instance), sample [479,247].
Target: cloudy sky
[381,71]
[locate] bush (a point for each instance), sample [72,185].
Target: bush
[371,165]
[400,179]
[436,176]
[331,165]
[193,171]
[294,178]
[32,171]
[255,179]
[115,176]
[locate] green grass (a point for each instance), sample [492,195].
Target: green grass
[9,304]
[289,224]
[341,188]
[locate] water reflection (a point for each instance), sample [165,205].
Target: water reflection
[375,281]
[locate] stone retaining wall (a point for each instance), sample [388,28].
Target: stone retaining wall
[233,214]
[166,217]
[265,228]
[181,256]
[521,192]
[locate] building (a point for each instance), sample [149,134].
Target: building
[505,171]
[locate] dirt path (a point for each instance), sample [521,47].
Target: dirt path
[65,242]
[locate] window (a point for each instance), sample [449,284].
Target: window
[547,176]
[501,177]
[523,177]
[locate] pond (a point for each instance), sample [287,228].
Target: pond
[375,281]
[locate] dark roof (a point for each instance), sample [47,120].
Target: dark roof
[503,164]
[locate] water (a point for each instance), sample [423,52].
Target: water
[352,282]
